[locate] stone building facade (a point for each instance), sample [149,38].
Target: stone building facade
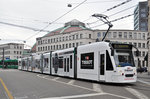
[11,50]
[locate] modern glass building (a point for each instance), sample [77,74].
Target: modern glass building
[141,16]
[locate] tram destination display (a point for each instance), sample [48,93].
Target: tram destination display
[121,46]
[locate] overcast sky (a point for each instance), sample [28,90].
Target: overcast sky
[38,13]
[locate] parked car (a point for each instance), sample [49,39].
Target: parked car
[143,69]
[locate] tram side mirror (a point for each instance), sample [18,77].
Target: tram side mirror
[112,52]
[137,53]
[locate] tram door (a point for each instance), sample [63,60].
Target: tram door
[102,65]
[66,65]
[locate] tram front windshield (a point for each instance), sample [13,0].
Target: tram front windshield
[123,58]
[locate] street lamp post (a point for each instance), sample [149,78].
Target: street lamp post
[3,57]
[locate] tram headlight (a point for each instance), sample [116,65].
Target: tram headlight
[121,72]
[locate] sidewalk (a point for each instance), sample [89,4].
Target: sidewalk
[143,77]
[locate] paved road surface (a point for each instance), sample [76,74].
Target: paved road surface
[27,85]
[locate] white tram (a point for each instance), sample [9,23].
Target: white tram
[100,61]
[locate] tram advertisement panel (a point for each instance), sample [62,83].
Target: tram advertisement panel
[87,61]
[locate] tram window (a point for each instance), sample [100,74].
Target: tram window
[65,64]
[109,65]
[61,62]
[53,62]
[71,61]
[46,62]
[102,64]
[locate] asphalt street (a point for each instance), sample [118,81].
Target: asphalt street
[28,85]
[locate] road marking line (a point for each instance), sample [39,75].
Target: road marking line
[45,76]
[143,82]
[136,93]
[71,82]
[6,89]
[56,78]
[119,96]
[23,97]
[97,87]
[75,96]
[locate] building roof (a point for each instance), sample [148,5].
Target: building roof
[70,26]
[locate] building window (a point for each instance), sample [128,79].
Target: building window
[103,34]
[73,45]
[98,34]
[56,47]
[48,47]
[130,43]
[66,38]
[51,47]
[66,45]
[139,35]
[143,15]
[109,34]
[139,45]
[48,40]
[76,36]
[143,10]
[135,44]
[143,36]
[135,35]
[60,39]
[57,39]
[54,40]
[69,37]
[143,45]
[143,62]
[81,36]
[45,48]
[143,24]
[143,29]
[73,37]
[114,34]
[89,35]
[59,46]
[143,54]
[130,35]
[125,34]
[139,53]
[38,42]
[77,44]
[120,35]
[69,45]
